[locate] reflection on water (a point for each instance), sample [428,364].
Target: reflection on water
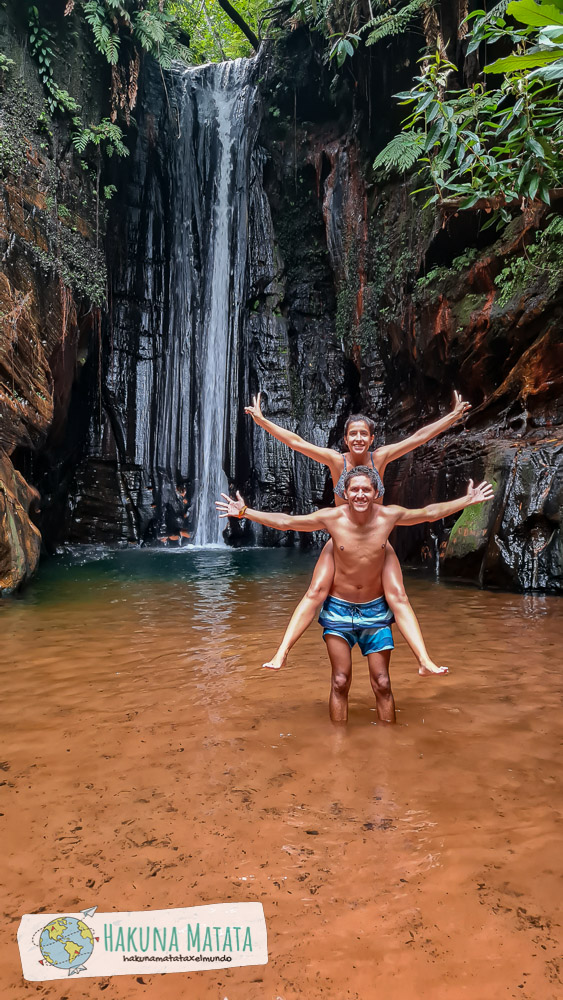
[151,761]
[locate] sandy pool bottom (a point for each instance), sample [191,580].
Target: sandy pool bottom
[150,763]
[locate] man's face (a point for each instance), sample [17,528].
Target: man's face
[360,493]
[358,438]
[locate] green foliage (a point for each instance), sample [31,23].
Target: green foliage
[5,63]
[441,274]
[44,122]
[109,191]
[59,101]
[502,147]
[78,266]
[151,26]
[212,34]
[543,260]
[464,260]
[395,21]
[436,274]
[386,19]
[344,46]
[401,153]
[106,135]
[106,38]
[538,38]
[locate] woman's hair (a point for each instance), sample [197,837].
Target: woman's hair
[359,416]
[361,470]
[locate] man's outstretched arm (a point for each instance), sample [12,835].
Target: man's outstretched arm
[283,522]
[435,511]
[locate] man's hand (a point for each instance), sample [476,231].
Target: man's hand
[255,411]
[460,408]
[232,508]
[480,493]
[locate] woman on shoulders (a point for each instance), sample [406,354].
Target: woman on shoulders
[358,438]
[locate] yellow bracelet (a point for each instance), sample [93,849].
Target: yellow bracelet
[242,512]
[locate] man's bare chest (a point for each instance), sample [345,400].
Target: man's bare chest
[353,543]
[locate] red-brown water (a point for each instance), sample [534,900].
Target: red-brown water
[151,762]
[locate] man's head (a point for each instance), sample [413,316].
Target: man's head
[361,487]
[358,433]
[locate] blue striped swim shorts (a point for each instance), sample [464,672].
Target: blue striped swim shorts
[366,624]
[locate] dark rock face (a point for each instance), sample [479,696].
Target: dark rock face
[517,541]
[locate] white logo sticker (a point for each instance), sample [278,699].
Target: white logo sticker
[219,936]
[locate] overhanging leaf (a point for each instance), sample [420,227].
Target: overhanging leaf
[534,14]
[512,64]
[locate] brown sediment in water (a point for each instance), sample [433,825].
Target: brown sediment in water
[151,762]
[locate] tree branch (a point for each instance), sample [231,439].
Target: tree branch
[240,22]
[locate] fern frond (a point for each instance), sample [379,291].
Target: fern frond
[105,40]
[401,153]
[81,139]
[184,53]
[395,22]
[149,29]
[497,11]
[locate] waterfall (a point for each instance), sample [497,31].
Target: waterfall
[215,334]
[179,290]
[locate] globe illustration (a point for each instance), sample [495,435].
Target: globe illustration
[66,943]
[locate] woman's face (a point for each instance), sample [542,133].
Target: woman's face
[358,438]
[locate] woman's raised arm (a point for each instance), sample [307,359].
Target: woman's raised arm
[326,456]
[389,452]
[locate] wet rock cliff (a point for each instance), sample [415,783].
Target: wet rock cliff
[52,276]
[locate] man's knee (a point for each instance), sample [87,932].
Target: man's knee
[381,684]
[341,683]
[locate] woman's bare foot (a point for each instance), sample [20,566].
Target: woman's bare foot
[277,661]
[427,667]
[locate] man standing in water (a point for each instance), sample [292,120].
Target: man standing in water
[356,610]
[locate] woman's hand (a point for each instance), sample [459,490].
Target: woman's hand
[461,407]
[231,508]
[255,411]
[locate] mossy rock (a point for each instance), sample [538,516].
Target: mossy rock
[472,528]
[469,533]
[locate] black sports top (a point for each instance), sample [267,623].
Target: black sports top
[339,488]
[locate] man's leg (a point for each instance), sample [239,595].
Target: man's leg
[341,662]
[381,685]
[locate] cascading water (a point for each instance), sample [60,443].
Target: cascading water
[215,144]
[215,339]
[171,386]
